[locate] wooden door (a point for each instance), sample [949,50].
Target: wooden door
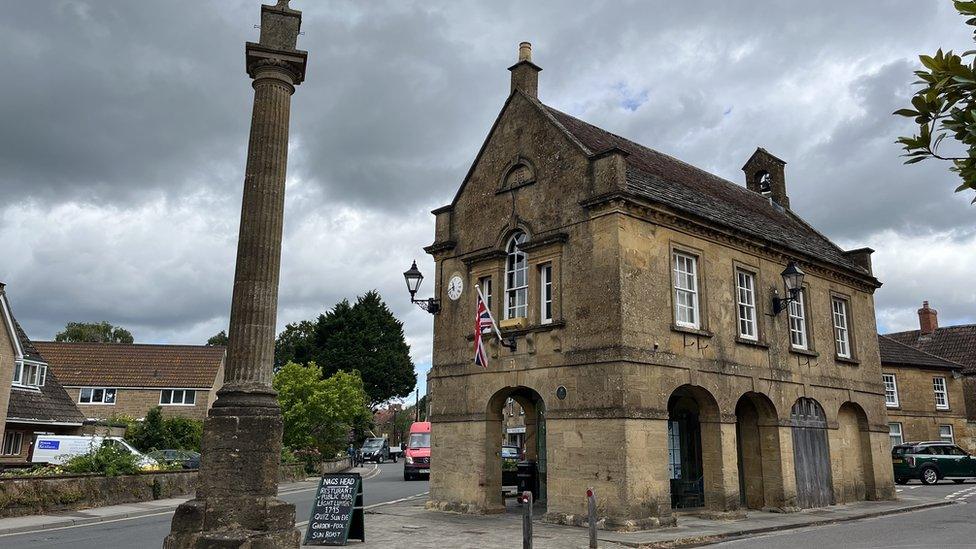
[811,456]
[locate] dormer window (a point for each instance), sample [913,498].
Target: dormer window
[29,374]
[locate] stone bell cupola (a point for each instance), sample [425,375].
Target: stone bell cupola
[765,174]
[525,73]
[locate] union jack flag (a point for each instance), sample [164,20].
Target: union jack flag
[483,321]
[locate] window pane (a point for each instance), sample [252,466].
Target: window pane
[110,396]
[797,321]
[189,397]
[841,335]
[17,372]
[945,433]
[894,433]
[165,396]
[891,390]
[98,395]
[745,283]
[685,290]
[86,395]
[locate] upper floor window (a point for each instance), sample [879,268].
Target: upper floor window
[516,279]
[185,397]
[96,395]
[941,395]
[30,374]
[686,291]
[891,390]
[746,295]
[798,322]
[485,284]
[842,336]
[545,285]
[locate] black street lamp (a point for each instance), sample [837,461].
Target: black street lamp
[793,281]
[414,277]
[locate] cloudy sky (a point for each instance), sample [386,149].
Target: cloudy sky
[123,128]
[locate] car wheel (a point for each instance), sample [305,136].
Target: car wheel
[901,481]
[380,460]
[959,480]
[929,475]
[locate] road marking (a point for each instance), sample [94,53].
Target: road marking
[93,523]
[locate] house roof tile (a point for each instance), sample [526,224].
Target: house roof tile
[133,365]
[895,353]
[955,343]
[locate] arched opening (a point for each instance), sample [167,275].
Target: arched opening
[811,455]
[693,440]
[764,182]
[507,407]
[757,436]
[856,464]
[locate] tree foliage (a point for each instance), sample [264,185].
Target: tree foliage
[364,337]
[109,460]
[319,413]
[94,332]
[945,106]
[219,339]
[158,433]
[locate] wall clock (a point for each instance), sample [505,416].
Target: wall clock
[454,287]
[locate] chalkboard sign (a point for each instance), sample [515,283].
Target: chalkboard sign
[337,512]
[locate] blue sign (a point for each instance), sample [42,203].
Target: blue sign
[48,444]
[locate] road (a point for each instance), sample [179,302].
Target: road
[149,531]
[943,527]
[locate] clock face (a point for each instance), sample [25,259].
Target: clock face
[454,287]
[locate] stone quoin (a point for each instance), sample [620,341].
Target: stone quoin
[644,287]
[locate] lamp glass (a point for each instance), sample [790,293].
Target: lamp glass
[792,277]
[413,278]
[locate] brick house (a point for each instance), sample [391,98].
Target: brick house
[653,360]
[923,394]
[35,402]
[107,379]
[956,344]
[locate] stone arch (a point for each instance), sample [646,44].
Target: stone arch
[535,447]
[855,461]
[694,449]
[758,448]
[518,172]
[811,454]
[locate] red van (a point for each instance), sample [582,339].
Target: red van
[416,457]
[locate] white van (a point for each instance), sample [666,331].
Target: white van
[57,449]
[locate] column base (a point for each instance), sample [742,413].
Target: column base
[615,524]
[218,523]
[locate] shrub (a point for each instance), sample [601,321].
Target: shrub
[158,433]
[108,460]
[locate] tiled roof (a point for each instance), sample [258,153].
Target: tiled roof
[50,404]
[30,352]
[899,354]
[661,178]
[132,365]
[955,343]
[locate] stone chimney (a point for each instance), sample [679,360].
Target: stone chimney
[765,174]
[525,73]
[928,319]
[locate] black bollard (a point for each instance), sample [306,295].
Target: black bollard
[526,500]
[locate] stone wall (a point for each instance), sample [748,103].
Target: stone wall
[34,495]
[335,466]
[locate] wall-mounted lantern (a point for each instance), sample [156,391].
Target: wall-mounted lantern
[793,281]
[414,277]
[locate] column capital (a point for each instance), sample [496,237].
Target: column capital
[292,62]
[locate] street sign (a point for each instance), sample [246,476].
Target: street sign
[337,511]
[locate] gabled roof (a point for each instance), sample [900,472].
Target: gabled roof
[954,343]
[662,178]
[133,365]
[894,353]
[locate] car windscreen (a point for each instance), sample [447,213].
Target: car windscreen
[373,443]
[420,440]
[509,453]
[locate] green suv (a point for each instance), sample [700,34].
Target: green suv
[931,461]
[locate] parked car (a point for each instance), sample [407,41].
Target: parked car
[511,455]
[931,461]
[416,458]
[376,450]
[57,449]
[187,458]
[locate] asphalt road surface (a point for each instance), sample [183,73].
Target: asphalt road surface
[949,527]
[149,531]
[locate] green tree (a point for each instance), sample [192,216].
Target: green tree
[94,332]
[364,337]
[219,339]
[158,433]
[945,105]
[319,413]
[295,344]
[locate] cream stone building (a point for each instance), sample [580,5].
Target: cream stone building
[650,363]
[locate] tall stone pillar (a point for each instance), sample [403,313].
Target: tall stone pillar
[236,502]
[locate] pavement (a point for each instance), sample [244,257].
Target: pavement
[924,516]
[141,525]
